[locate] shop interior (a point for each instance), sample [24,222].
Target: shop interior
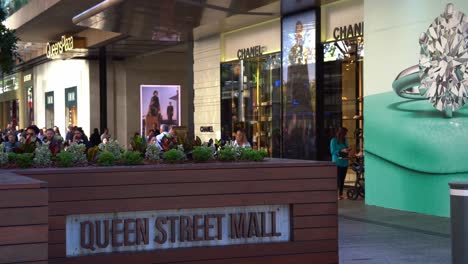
[343,94]
[250,100]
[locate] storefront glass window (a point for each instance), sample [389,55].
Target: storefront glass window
[71,108]
[49,98]
[30,105]
[343,92]
[9,83]
[299,86]
[250,100]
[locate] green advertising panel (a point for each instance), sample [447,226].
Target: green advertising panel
[416,91]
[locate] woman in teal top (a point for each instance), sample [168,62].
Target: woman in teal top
[339,150]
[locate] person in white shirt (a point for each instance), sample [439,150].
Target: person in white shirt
[164,131]
[241,139]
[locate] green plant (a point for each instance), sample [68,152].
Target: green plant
[91,154]
[227,154]
[252,155]
[78,152]
[138,144]
[112,146]
[202,154]
[132,158]
[173,156]
[42,155]
[12,157]
[8,45]
[107,158]
[3,155]
[24,160]
[152,152]
[64,159]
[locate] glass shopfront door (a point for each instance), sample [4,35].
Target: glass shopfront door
[250,100]
[342,93]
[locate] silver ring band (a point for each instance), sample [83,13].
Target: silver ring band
[405,83]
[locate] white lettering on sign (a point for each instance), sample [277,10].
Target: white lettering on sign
[153,230]
[27,78]
[50,100]
[71,97]
[54,49]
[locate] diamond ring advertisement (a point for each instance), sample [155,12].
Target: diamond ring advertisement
[442,73]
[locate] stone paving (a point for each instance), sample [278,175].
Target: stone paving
[373,235]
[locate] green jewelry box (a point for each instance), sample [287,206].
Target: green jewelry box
[412,153]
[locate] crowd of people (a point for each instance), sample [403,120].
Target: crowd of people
[27,139]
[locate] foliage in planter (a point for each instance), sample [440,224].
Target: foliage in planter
[202,153]
[173,156]
[78,152]
[92,153]
[11,157]
[132,158]
[138,144]
[42,155]
[252,155]
[64,159]
[107,158]
[3,155]
[24,160]
[228,153]
[152,152]
[113,147]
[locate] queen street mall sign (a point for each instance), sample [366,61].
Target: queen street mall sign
[157,230]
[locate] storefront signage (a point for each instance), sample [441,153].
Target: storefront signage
[206,129]
[49,100]
[350,31]
[27,78]
[64,45]
[153,230]
[252,52]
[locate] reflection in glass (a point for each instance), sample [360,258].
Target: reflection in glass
[71,115]
[343,92]
[250,100]
[299,87]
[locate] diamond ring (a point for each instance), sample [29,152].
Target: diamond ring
[442,73]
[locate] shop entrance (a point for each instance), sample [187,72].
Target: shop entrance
[342,104]
[250,100]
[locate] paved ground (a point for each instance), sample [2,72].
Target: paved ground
[373,235]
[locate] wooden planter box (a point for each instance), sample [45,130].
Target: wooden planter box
[307,188]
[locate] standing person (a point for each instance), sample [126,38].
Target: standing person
[170,113]
[105,134]
[69,135]
[58,136]
[95,138]
[241,139]
[42,133]
[339,149]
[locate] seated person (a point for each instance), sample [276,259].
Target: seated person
[54,143]
[80,138]
[241,139]
[159,138]
[11,144]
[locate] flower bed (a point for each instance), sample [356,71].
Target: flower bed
[172,151]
